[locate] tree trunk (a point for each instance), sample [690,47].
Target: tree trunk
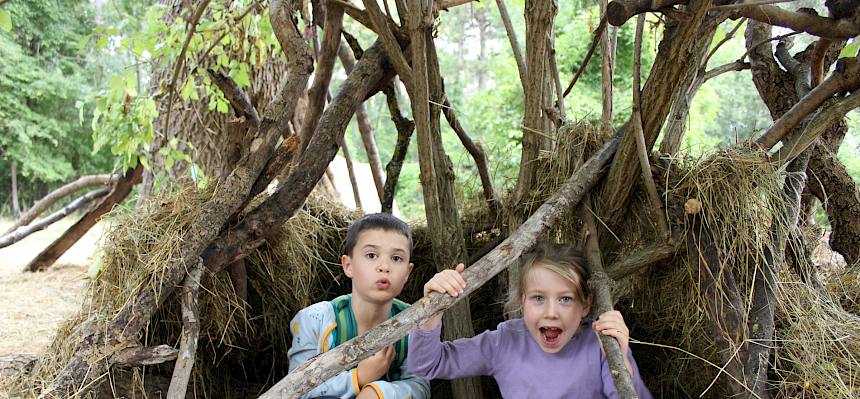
[16,209]
[58,194]
[53,252]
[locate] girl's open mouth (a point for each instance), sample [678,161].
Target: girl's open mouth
[550,335]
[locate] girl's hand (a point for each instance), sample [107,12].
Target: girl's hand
[447,281]
[612,324]
[450,281]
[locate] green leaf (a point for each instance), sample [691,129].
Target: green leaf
[850,50]
[187,89]
[5,21]
[222,107]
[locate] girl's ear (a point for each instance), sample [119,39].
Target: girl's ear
[346,263]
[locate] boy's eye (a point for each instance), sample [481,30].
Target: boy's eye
[397,258]
[371,255]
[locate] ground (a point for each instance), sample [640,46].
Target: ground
[34,304]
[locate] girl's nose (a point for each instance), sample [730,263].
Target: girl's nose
[551,311]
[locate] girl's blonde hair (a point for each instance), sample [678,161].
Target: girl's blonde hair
[564,260]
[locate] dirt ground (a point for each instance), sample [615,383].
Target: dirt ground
[32,305]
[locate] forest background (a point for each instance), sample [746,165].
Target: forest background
[62,63]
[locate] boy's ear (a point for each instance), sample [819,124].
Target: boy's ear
[410,269]
[346,263]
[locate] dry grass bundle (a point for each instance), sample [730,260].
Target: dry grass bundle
[817,344]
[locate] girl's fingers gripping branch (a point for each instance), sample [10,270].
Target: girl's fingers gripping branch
[447,281]
[612,324]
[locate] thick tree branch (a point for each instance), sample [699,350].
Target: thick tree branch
[846,77]
[54,196]
[813,24]
[22,232]
[345,356]
[619,11]
[601,286]
[389,41]
[322,75]
[137,356]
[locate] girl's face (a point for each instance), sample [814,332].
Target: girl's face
[551,311]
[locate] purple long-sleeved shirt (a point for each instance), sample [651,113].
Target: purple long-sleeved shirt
[521,368]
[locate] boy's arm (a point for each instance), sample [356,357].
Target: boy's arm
[408,386]
[308,328]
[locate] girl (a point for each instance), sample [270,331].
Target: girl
[548,353]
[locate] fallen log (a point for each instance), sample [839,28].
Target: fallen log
[22,232]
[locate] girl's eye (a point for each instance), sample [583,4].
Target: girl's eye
[538,298]
[566,299]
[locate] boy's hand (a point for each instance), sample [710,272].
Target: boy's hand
[450,281]
[447,281]
[611,323]
[374,367]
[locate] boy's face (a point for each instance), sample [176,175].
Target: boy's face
[551,311]
[378,266]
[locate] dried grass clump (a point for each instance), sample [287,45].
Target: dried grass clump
[817,344]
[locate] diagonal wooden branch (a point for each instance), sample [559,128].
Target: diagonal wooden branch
[598,33]
[324,366]
[799,21]
[54,196]
[389,41]
[137,356]
[322,75]
[22,232]
[477,154]
[249,233]
[350,169]
[822,121]
[846,77]
[190,333]
[601,286]
[120,190]
[237,97]
[515,44]
[85,365]
[619,11]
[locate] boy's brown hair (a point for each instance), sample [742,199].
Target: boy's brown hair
[372,221]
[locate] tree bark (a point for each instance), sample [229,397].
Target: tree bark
[525,237]
[683,46]
[22,232]
[839,192]
[404,127]
[54,196]
[57,248]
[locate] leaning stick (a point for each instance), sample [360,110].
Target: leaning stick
[190,332]
[24,231]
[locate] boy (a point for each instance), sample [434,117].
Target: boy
[375,257]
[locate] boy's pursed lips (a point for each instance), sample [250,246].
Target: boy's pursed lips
[383,283]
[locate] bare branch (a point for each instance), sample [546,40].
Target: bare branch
[730,67]
[748,4]
[322,75]
[389,41]
[813,24]
[137,356]
[24,231]
[846,77]
[405,127]
[728,36]
[54,196]
[594,41]
[601,286]
[619,11]
[477,154]
[236,96]
[356,13]
[515,44]
[350,169]
[190,332]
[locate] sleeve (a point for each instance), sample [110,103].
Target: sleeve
[609,390]
[409,386]
[307,327]
[466,357]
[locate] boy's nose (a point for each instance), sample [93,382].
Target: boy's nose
[383,267]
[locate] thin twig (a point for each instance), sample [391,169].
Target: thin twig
[515,44]
[477,154]
[728,37]
[556,78]
[749,4]
[588,55]
[171,89]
